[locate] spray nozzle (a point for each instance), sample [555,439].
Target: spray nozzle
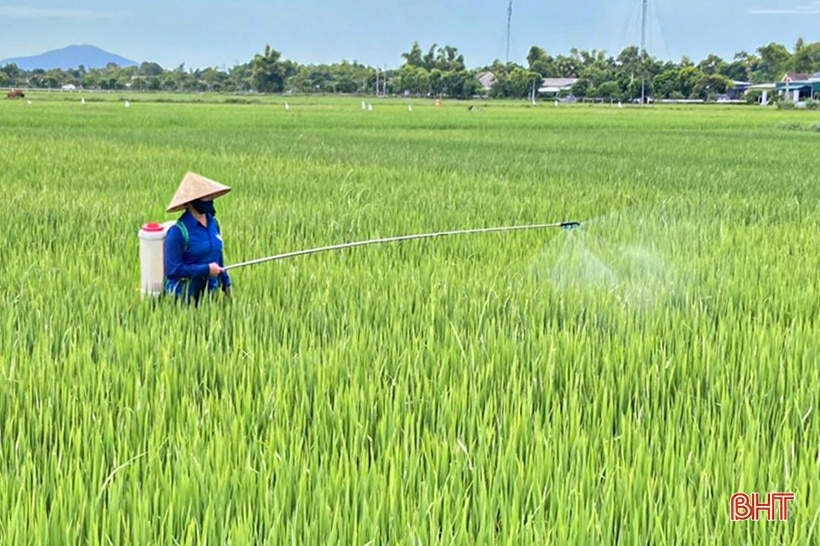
[570,225]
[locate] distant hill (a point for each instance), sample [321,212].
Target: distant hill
[70,58]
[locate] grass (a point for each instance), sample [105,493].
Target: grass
[484,389]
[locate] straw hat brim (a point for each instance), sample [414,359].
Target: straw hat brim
[195,186]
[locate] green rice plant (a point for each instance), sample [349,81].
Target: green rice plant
[612,384]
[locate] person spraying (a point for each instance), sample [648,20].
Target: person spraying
[194,260]
[186,259]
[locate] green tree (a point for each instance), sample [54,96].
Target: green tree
[581,88]
[519,83]
[541,63]
[597,72]
[436,82]
[713,64]
[241,77]
[567,67]
[461,84]
[609,90]
[739,68]
[429,58]
[629,57]
[347,77]
[535,54]
[710,85]
[666,83]
[448,58]
[688,78]
[414,57]
[150,69]
[269,72]
[415,79]
[13,73]
[774,61]
[806,60]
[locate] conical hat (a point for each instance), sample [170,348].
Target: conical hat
[195,186]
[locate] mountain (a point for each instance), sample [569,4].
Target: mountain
[69,58]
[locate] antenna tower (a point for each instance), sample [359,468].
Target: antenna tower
[643,52]
[509,20]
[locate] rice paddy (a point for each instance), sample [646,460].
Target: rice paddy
[611,384]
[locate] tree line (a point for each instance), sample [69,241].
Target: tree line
[441,71]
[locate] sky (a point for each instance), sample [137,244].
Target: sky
[376,32]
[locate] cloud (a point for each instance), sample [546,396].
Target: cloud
[810,8]
[24,12]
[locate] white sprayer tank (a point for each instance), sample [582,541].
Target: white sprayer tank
[152,257]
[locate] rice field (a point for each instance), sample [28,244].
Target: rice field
[613,384]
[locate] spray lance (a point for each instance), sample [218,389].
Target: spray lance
[566,226]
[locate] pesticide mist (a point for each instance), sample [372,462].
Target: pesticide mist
[599,259]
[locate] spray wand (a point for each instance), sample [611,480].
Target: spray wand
[566,226]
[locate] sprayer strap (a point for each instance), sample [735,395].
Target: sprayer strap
[184,231]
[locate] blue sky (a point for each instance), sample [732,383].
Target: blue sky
[376,32]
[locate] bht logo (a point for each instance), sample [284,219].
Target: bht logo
[742,507]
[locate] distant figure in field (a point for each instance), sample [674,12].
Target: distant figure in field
[194,260]
[16,94]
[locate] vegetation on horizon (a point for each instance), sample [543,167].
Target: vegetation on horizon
[442,71]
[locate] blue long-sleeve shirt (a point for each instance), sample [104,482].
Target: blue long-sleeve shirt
[189,268]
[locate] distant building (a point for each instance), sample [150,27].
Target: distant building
[554,86]
[767,90]
[796,77]
[798,87]
[487,80]
[737,91]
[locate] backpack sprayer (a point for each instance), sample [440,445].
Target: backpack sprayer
[152,248]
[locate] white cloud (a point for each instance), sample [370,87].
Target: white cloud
[24,12]
[810,8]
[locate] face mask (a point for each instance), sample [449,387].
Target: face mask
[203,207]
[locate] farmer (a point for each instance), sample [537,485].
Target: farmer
[194,261]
